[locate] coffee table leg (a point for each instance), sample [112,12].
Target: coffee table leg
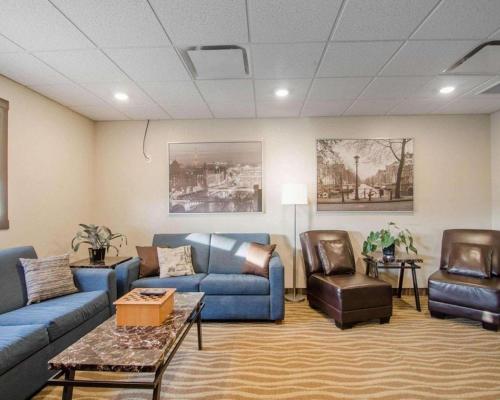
[415,287]
[198,326]
[69,374]
[401,277]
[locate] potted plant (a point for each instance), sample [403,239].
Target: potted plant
[387,240]
[99,238]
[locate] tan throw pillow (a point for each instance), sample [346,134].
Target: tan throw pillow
[336,257]
[150,266]
[48,277]
[175,262]
[470,260]
[257,259]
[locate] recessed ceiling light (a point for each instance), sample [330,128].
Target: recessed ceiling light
[121,96]
[446,89]
[281,92]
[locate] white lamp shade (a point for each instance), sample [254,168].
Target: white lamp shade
[294,193]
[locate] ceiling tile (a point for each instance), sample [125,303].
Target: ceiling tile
[195,22]
[6,46]
[106,92]
[337,88]
[84,65]
[153,112]
[115,23]
[324,108]
[461,19]
[356,58]
[371,107]
[473,105]
[233,110]
[381,19]
[418,106]
[100,113]
[427,57]
[264,89]
[462,84]
[68,94]
[278,109]
[226,91]
[298,60]
[292,20]
[189,112]
[37,25]
[393,87]
[26,69]
[173,93]
[156,64]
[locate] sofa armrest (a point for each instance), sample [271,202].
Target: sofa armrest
[277,287]
[90,279]
[126,273]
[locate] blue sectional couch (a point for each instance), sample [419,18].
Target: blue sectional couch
[217,260]
[31,335]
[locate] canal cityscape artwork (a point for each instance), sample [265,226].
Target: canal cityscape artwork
[215,177]
[365,174]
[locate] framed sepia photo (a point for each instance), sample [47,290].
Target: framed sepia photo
[365,174]
[215,177]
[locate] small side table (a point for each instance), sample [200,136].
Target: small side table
[109,262]
[402,261]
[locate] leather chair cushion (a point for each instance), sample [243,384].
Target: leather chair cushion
[470,259]
[336,257]
[350,292]
[465,291]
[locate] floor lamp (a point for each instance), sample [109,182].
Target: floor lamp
[294,194]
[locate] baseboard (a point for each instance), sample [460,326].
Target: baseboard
[410,291]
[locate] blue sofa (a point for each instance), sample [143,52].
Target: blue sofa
[217,260]
[31,335]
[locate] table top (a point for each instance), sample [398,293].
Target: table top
[129,349]
[109,262]
[378,257]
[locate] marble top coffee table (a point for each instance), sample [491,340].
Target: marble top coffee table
[128,349]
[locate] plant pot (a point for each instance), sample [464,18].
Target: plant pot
[97,255]
[389,253]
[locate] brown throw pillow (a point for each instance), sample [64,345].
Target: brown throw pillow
[336,257]
[470,259]
[257,259]
[150,265]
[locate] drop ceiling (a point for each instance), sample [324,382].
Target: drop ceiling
[352,57]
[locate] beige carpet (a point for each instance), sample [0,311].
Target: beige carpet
[307,357]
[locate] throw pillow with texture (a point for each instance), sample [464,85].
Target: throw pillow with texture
[150,266]
[175,262]
[470,259]
[48,277]
[336,257]
[257,259]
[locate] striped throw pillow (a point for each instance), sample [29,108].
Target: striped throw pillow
[48,277]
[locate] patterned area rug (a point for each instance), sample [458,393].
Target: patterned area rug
[307,357]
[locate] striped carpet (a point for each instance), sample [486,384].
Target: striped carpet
[307,357]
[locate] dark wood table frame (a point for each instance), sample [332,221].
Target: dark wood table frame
[372,266]
[69,381]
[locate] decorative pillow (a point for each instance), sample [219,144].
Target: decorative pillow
[150,266]
[336,257]
[470,259]
[175,262]
[48,277]
[257,259]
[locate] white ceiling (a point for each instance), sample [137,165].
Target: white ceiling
[336,57]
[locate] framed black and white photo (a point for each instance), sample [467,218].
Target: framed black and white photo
[365,174]
[215,177]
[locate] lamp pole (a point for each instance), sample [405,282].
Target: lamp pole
[356,193]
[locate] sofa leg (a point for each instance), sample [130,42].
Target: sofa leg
[342,325]
[490,327]
[436,314]
[385,320]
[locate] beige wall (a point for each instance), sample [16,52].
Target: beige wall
[51,152]
[495,170]
[452,177]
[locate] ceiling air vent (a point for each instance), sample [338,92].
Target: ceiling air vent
[495,89]
[216,62]
[483,60]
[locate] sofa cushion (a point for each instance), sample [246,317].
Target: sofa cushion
[465,291]
[350,292]
[336,257]
[149,266]
[175,262]
[470,259]
[188,283]
[59,315]
[257,259]
[199,242]
[17,343]
[228,251]
[235,284]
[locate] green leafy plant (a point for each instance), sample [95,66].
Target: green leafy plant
[392,235]
[98,237]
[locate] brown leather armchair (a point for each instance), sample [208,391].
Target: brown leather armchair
[467,296]
[347,298]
